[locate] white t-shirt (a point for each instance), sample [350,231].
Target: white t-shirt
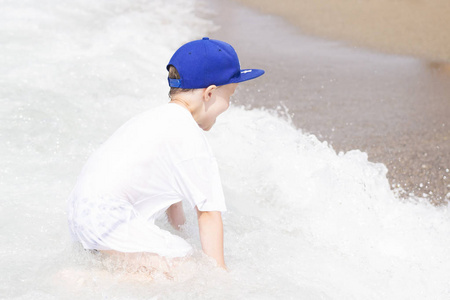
[156,159]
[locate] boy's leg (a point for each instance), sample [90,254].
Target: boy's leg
[175,214]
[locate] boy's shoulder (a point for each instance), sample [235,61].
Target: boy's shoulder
[167,121]
[164,114]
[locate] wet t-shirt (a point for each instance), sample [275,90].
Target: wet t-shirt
[156,159]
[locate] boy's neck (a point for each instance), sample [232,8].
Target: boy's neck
[191,100]
[181,102]
[197,102]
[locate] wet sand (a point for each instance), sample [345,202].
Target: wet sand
[413,27]
[394,107]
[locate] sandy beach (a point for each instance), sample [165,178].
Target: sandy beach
[395,107]
[419,28]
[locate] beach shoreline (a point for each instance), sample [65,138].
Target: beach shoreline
[394,107]
[408,27]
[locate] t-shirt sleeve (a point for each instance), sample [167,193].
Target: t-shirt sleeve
[198,181]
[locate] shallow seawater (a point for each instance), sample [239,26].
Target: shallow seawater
[303,221]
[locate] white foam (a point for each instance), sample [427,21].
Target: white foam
[314,215]
[303,221]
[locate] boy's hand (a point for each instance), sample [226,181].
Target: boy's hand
[211,235]
[175,214]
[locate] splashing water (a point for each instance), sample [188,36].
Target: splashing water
[303,221]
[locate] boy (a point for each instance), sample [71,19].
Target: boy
[159,159]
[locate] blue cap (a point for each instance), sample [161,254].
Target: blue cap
[206,62]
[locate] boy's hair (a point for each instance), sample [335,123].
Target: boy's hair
[173,74]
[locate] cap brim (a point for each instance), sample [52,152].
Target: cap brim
[247,74]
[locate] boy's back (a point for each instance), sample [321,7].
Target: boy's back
[149,163]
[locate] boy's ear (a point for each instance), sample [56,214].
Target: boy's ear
[208,92]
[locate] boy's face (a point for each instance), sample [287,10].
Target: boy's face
[217,104]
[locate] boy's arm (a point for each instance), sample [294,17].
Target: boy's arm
[175,214]
[211,235]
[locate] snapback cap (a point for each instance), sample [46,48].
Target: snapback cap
[206,62]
